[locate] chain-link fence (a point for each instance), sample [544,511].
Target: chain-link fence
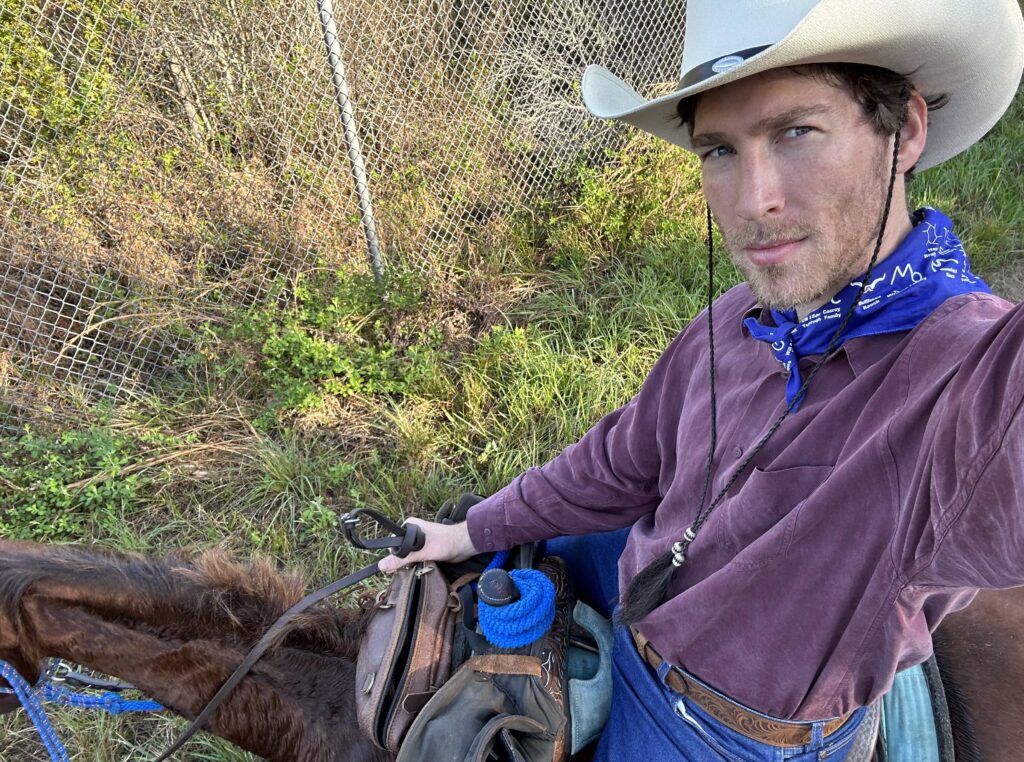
[158,159]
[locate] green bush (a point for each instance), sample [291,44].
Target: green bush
[644,195]
[340,333]
[61,486]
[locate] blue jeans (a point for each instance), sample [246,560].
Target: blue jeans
[650,722]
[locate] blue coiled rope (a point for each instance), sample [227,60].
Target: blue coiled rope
[527,619]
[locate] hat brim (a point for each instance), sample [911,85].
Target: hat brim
[970,52]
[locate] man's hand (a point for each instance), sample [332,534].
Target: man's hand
[442,542]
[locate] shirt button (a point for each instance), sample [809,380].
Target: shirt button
[490,546]
[487,531]
[737,451]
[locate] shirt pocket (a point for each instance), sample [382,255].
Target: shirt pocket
[756,525]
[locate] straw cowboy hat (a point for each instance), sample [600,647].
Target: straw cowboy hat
[970,50]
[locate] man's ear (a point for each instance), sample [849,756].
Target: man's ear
[913,133]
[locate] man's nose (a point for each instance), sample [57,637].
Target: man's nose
[760,188]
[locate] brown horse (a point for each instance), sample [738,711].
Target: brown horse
[177,627]
[980,652]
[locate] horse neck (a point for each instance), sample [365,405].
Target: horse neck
[87,611]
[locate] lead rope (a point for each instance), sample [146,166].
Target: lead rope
[514,623]
[48,690]
[648,588]
[34,709]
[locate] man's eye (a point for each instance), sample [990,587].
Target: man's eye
[718,152]
[795,132]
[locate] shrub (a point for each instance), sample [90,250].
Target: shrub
[340,333]
[61,486]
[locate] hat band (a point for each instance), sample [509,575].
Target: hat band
[718,65]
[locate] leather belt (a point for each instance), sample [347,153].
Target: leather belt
[754,726]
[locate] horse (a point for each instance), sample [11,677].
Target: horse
[176,627]
[980,654]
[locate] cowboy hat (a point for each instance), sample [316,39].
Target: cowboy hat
[969,50]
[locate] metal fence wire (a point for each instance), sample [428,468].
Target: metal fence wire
[158,159]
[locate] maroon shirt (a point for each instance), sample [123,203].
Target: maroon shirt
[875,510]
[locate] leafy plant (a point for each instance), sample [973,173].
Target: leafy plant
[61,486]
[340,333]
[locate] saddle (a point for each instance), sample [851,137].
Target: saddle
[431,687]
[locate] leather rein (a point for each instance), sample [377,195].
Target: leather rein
[404,539]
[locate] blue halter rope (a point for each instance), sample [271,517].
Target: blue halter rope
[47,690]
[109,702]
[34,709]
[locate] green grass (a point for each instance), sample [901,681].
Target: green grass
[981,190]
[334,394]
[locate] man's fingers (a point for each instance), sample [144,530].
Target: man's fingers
[441,542]
[392,563]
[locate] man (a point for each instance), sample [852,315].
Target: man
[860,395]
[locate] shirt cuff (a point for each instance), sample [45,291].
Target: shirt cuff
[485,521]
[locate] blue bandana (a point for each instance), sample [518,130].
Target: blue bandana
[927,268]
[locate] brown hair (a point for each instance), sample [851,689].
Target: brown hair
[882,94]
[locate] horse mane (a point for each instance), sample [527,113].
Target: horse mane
[176,627]
[175,596]
[959,710]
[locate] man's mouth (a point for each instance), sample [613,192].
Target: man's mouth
[764,254]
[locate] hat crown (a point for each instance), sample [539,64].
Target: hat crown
[971,51]
[720,29]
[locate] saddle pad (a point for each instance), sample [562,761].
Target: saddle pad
[908,723]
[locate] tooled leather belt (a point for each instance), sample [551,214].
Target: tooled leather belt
[754,726]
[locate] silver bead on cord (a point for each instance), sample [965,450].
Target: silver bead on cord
[679,547]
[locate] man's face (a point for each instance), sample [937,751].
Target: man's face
[796,178]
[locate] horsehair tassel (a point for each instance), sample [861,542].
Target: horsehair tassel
[522,621]
[647,589]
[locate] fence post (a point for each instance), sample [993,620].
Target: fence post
[355,152]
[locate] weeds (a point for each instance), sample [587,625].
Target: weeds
[61,486]
[328,392]
[340,333]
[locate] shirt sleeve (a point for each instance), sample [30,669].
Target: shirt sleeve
[974,476]
[605,481]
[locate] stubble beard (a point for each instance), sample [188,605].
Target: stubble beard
[821,271]
[832,258]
